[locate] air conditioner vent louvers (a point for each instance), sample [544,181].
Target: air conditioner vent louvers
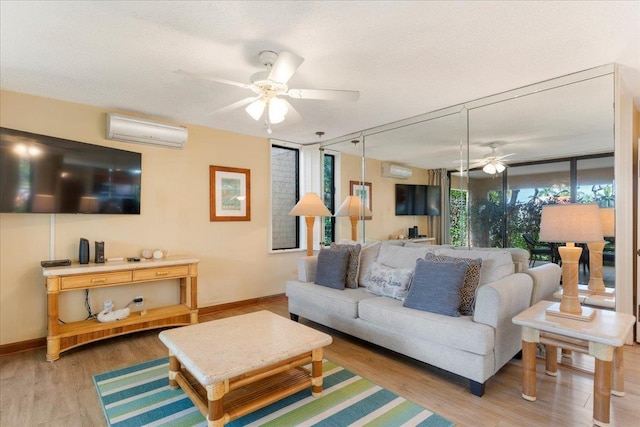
[131,129]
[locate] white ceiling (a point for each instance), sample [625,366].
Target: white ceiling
[405,58]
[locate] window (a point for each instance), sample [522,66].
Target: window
[505,206]
[285,192]
[329,197]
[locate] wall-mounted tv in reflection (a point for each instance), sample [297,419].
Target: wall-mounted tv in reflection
[412,199]
[43,174]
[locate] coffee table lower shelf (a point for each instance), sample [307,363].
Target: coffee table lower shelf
[249,392]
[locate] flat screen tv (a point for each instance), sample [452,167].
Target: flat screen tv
[43,174]
[413,199]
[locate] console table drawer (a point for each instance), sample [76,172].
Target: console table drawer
[161,273]
[97,279]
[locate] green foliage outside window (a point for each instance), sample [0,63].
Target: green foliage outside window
[486,214]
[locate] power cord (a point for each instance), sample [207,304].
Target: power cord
[87,305]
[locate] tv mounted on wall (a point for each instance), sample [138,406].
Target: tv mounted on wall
[43,174]
[414,199]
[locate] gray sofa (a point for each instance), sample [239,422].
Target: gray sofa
[472,346]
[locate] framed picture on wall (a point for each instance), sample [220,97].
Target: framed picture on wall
[229,194]
[362,190]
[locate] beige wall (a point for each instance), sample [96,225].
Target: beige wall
[384,222]
[235,263]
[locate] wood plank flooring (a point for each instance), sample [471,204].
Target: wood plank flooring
[34,392]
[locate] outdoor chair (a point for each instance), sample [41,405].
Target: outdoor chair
[537,251]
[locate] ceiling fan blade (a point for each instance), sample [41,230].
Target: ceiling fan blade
[477,164]
[236,105]
[213,79]
[292,115]
[324,94]
[505,156]
[284,67]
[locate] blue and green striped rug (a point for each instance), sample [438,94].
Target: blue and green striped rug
[140,396]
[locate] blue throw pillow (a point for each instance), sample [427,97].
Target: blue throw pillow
[332,267]
[436,287]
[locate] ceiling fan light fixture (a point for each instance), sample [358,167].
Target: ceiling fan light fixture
[255,109]
[493,167]
[277,110]
[489,168]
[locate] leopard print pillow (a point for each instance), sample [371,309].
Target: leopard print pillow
[352,266]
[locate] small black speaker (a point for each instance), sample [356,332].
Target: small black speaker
[83,252]
[410,233]
[99,253]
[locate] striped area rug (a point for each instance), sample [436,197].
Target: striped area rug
[140,396]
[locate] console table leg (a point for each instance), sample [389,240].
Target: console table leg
[602,392]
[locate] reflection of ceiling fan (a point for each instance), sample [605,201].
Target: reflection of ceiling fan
[491,164]
[268,85]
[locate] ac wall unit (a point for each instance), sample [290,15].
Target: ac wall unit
[132,129]
[390,170]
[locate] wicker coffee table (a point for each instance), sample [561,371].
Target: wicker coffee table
[236,365]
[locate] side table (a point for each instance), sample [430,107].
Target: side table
[603,338]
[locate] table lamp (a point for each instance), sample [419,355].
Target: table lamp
[354,209]
[596,284]
[570,223]
[310,206]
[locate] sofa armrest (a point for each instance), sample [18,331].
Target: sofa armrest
[307,268]
[498,302]
[546,281]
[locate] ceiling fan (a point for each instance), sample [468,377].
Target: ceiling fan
[492,164]
[271,84]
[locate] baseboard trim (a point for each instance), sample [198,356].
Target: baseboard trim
[18,347]
[202,311]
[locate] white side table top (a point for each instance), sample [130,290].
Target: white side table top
[221,349]
[607,327]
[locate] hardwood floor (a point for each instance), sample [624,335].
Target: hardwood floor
[34,392]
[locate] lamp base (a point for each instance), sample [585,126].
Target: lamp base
[584,290]
[587,313]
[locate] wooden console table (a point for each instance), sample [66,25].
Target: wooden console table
[62,337]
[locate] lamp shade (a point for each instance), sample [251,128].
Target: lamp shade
[352,206]
[255,109]
[608,221]
[575,222]
[310,205]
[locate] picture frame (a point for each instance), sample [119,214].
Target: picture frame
[229,194]
[364,191]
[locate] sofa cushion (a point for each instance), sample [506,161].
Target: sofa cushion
[496,264]
[352,266]
[341,303]
[471,279]
[332,267]
[389,282]
[368,254]
[458,332]
[436,287]
[402,256]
